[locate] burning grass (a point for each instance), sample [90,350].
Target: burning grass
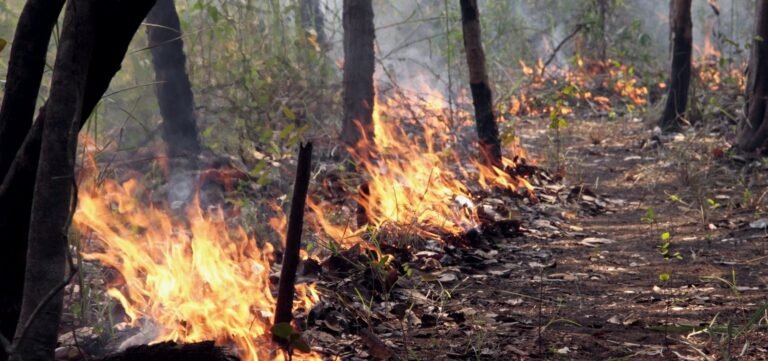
[419,176]
[192,275]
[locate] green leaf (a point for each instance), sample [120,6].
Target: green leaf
[664,277]
[258,168]
[286,131]
[288,113]
[3,43]
[282,330]
[665,236]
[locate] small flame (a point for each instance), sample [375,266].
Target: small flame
[195,277]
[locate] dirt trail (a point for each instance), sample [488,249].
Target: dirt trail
[602,295]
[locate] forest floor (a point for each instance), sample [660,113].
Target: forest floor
[594,280]
[648,249]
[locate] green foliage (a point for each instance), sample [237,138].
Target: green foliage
[286,332]
[649,217]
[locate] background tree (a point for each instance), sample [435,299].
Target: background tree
[173,89]
[754,128]
[485,120]
[681,38]
[312,19]
[359,66]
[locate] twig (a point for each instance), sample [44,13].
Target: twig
[284,307]
[575,31]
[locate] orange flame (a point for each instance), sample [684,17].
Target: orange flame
[194,276]
[416,180]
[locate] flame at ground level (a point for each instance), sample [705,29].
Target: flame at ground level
[419,176]
[197,279]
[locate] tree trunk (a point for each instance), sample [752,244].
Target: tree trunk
[485,120]
[754,128]
[312,19]
[359,66]
[681,34]
[116,24]
[37,330]
[173,89]
[25,73]
[602,37]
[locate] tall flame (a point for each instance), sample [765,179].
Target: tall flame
[193,275]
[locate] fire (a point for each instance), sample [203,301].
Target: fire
[575,83]
[192,275]
[417,180]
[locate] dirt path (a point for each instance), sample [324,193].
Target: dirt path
[602,295]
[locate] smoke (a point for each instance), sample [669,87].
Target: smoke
[419,44]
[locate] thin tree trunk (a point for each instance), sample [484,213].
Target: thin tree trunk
[51,205]
[754,129]
[312,18]
[602,40]
[681,32]
[485,120]
[173,89]
[25,73]
[359,65]
[116,24]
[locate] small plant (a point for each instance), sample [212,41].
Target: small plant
[664,248]
[285,332]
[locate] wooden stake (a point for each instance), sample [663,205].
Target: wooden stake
[284,307]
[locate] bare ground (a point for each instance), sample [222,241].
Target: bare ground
[586,286]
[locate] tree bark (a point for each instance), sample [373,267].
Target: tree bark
[359,65]
[173,89]
[116,24]
[51,204]
[25,72]
[753,132]
[485,120]
[681,34]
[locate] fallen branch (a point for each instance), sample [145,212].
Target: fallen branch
[201,351]
[286,288]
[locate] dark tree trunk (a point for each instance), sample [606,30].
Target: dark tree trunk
[754,129]
[681,34]
[25,72]
[173,89]
[312,18]
[37,330]
[359,65]
[116,24]
[485,120]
